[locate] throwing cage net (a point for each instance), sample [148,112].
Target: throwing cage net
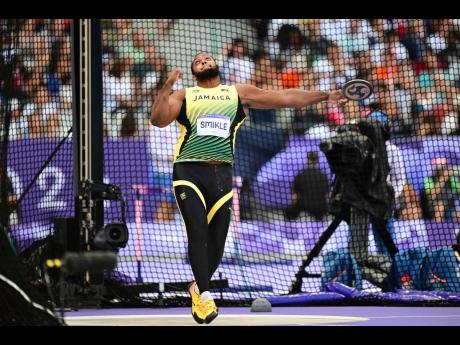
[36,119]
[320,194]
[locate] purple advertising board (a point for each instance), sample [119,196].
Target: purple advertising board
[273,184]
[127,163]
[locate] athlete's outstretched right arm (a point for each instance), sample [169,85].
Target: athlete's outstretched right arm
[166,107]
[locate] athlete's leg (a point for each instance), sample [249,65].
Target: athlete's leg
[194,216]
[217,235]
[219,214]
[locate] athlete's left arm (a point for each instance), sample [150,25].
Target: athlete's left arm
[254,97]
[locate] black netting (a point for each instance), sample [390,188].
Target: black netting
[37,93]
[36,119]
[413,68]
[295,172]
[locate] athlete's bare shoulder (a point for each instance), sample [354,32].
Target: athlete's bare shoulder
[242,88]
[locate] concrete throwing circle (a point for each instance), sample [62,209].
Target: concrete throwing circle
[222,320]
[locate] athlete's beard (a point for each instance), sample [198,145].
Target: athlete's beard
[208,73]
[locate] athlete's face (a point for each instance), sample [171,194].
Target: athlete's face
[204,67]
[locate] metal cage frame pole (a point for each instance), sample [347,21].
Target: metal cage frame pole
[87,123]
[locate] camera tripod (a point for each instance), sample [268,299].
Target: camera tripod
[358,221]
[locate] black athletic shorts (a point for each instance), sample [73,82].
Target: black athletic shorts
[202,186]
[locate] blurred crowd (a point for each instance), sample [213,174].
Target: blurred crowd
[36,77]
[413,64]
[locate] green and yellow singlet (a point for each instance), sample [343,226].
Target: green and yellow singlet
[209,119]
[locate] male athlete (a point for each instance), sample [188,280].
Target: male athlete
[209,116]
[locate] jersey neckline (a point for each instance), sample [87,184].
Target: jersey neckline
[207,88]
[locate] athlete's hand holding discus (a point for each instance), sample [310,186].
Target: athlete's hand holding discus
[337,97]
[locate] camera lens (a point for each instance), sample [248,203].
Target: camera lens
[114,233]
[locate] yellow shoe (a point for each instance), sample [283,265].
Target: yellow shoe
[209,310]
[196,303]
